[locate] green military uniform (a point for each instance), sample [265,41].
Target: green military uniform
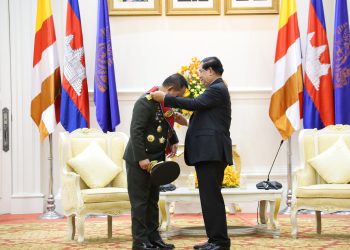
[149,135]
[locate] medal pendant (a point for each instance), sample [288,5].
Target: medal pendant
[150,138]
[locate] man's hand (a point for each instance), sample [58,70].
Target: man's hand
[173,150]
[158,96]
[144,164]
[180,119]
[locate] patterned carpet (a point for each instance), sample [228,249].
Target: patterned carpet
[28,232]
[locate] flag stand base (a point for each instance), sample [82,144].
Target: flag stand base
[50,204]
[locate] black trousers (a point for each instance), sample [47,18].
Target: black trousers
[144,199]
[210,176]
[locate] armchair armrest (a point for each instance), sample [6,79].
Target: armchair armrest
[296,172]
[304,176]
[71,195]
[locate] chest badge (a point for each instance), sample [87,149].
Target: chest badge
[150,138]
[162,140]
[159,129]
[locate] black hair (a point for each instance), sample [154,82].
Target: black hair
[214,63]
[176,80]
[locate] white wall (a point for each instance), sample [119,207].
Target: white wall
[146,50]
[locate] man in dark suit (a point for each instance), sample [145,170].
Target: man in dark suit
[150,132]
[208,147]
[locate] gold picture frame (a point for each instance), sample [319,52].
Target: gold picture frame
[243,7]
[135,7]
[192,7]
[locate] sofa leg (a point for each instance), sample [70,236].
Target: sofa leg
[318,222]
[109,222]
[81,222]
[293,218]
[71,227]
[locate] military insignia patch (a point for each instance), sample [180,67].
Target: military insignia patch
[148,97]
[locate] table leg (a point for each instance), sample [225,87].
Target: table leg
[262,212]
[272,214]
[165,215]
[277,209]
[274,208]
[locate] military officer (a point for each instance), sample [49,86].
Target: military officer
[150,133]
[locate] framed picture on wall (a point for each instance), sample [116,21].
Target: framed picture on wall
[192,7]
[134,7]
[251,7]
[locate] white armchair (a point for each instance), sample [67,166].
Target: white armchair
[310,190]
[78,199]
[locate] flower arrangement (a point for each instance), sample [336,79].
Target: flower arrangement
[231,178]
[195,86]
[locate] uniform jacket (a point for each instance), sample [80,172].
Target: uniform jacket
[147,141]
[208,134]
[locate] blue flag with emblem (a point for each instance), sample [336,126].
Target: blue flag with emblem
[341,63]
[105,90]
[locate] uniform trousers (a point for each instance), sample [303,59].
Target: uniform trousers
[210,175]
[144,199]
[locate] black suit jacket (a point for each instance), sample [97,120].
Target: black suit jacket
[208,134]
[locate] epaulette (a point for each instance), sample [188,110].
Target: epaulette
[148,97]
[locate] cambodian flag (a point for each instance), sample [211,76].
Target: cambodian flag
[318,103]
[75,96]
[105,94]
[341,63]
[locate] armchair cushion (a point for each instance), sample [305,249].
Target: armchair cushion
[109,194]
[334,191]
[94,166]
[333,165]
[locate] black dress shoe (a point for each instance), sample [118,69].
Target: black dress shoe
[200,245]
[213,246]
[144,246]
[162,245]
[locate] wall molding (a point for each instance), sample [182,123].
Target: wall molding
[236,94]
[27,195]
[27,204]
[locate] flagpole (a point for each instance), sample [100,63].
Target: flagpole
[287,209]
[50,203]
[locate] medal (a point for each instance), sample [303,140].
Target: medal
[169,113]
[150,138]
[162,140]
[159,129]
